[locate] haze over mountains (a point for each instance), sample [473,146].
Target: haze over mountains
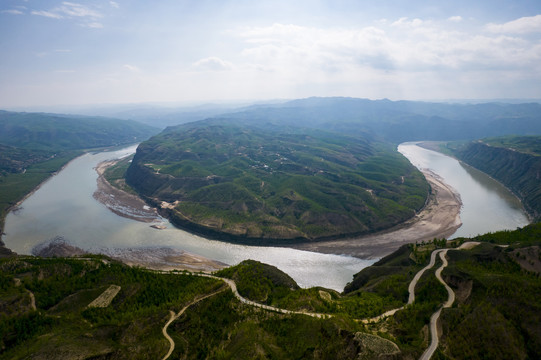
[399,121]
[486,112]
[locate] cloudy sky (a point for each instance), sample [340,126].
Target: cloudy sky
[98,51]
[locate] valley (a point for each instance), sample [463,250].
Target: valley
[279,174]
[231,180]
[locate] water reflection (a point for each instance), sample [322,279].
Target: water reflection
[64,207]
[487,205]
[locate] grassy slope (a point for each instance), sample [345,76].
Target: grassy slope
[500,316]
[525,144]
[56,132]
[64,328]
[219,327]
[254,183]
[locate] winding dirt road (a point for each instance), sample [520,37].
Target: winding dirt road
[411,289]
[434,333]
[233,286]
[177,315]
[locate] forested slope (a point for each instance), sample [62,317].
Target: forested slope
[514,161]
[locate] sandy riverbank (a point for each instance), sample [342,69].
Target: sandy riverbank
[121,202]
[155,258]
[133,207]
[439,219]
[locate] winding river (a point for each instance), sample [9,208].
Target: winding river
[487,205]
[64,206]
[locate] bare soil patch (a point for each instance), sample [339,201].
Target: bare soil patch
[106,297]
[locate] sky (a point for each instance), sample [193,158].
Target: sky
[129,51]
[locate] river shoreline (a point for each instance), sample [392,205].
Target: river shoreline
[4,250]
[120,202]
[438,219]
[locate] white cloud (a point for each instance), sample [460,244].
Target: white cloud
[404,22]
[12,12]
[69,10]
[48,14]
[114,4]
[131,68]
[212,63]
[94,25]
[455,19]
[529,24]
[403,46]
[78,10]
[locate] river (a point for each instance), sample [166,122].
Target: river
[487,205]
[64,206]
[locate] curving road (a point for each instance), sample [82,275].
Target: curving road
[176,316]
[434,333]
[243,300]
[231,284]
[411,289]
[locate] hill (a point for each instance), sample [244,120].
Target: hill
[306,169]
[41,131]
[35,145]
[515,161]
[246,181]
[496,313]
[95,307]
[498,290]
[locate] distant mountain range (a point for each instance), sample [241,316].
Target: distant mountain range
[435,113]
[399,121]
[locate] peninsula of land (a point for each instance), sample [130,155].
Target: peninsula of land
[440,218]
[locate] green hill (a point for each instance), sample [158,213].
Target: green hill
[55,132]
[515,161]
[45,308]
[243,181]
[35,145]
[496,314]
[498,309]
[62,325]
